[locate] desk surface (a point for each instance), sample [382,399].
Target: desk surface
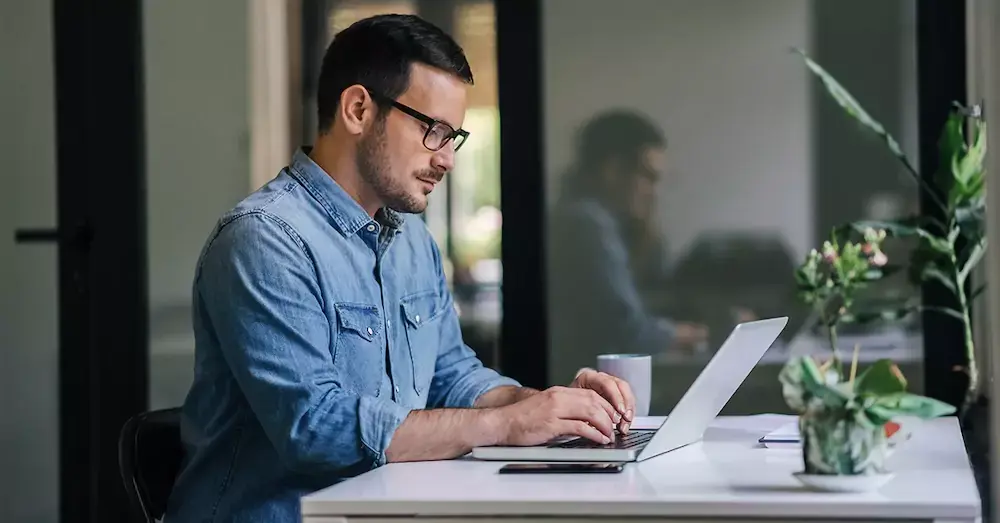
[728,475]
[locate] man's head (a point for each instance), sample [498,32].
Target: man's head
[623,155]
[394,88]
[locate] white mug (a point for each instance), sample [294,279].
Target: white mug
[636,370]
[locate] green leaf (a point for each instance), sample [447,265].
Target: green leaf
[854,109]
[881,378]
[975,255]
[970,166]
[814,383]
[933,273]
[944,310]
[906,404]
[975,294]
[896,229]
[878,415]
[951,143]
[886,315]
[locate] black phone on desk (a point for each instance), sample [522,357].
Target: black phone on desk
[562,468]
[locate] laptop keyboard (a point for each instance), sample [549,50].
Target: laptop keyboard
[626,441]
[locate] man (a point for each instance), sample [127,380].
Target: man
[327,342]
[607,248]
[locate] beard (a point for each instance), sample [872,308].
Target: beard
[375,168]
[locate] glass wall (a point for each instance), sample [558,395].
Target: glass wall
[692,163]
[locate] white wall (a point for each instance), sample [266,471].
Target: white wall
[198,161]
[718,77]
[28,273]
[197,103]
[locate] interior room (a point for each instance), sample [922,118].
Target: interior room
[642,179]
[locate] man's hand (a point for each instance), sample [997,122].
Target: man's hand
[615,391]
[690,334]
[554,412]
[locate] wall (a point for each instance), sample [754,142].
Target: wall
[28,273]
[718,77]
[198,161]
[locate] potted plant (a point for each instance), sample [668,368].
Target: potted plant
[843,422]
[952,241]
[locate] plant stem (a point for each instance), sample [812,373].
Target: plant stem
[971,367]
[832,332]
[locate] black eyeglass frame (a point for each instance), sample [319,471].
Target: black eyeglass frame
[431,123]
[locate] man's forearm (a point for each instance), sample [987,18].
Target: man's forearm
[443,434]
[503,396]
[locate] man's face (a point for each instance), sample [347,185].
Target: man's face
[392,157]
[652,162]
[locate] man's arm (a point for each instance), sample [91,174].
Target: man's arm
[503,396]
[449,433]
[444,433]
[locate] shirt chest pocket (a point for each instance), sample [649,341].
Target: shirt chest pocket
[422,313]
[357,351]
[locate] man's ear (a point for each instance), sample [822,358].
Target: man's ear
[356,109]
[611,169]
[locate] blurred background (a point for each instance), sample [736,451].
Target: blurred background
[666,166]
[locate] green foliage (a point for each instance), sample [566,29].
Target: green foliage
[950,246]
[878,393]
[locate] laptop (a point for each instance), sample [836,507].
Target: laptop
[687,422]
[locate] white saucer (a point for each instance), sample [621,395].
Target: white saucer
[835,483]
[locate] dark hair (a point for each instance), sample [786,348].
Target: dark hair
[377,52]
[620,134]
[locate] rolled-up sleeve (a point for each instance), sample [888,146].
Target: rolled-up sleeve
[460,377]
[257,287]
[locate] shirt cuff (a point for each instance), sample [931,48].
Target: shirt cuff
[466,394]
[379,420]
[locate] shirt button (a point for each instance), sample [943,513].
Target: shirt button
[397,389]
[417,319]
[370,331]
[371,227]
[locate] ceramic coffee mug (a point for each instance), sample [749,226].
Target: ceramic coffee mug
[636,370]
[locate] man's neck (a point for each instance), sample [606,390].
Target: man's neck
[339,163]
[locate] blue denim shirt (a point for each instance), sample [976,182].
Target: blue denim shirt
[318,329]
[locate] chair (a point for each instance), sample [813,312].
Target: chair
[149,456]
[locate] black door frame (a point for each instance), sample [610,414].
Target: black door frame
[101,233]
[941,36]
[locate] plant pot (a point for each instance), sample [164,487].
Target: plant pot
[834,443]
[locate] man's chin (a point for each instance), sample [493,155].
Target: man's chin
[414,204]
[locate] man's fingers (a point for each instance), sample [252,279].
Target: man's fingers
[582,429]
[587,405]
[626,392]
[607,386]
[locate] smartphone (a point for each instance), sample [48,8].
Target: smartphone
[562,468]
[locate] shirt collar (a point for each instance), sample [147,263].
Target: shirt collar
[348,215]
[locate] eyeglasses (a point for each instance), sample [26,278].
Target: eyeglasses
[438,133]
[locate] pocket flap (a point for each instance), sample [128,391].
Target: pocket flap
[360,318]
[418,309]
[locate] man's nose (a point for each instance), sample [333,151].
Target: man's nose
[444,158]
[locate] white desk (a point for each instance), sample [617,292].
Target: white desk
[727,477]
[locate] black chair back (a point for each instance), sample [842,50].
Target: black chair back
[149,456]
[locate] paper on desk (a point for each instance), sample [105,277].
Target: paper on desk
[784,436]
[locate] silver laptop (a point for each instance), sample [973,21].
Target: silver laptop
[686,424]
